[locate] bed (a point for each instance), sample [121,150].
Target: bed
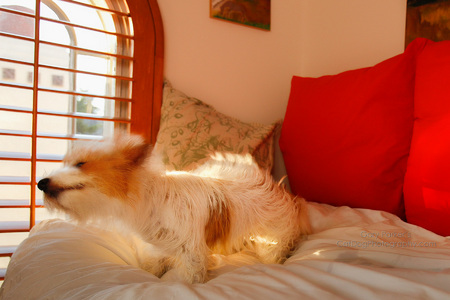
[353,254]
[378,210]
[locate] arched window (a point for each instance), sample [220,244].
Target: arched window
[69,69]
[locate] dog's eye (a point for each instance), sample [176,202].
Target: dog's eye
[80,164]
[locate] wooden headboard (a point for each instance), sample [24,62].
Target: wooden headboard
[148,67]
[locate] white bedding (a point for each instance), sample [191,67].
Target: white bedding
[353,254]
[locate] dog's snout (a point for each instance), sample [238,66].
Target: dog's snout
[43,184]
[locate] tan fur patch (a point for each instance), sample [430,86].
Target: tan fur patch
[217,230]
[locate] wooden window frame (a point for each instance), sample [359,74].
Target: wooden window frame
[147,68]
[146,87]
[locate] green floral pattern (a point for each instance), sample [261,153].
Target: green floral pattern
[191,131]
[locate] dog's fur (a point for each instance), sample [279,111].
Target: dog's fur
[224,206]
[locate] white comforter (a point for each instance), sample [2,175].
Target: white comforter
[353,254]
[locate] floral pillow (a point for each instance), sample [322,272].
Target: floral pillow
[191,131]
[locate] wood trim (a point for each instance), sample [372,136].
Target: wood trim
[147,68]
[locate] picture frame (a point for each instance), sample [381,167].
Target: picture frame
[428,19]
[252,13]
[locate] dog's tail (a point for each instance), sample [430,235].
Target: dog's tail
[303,215]
[302,206]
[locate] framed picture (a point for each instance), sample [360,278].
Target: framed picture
[429,19]
[254,13]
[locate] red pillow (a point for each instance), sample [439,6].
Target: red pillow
[427,182]
[345,138]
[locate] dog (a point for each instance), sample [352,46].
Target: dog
[226,205]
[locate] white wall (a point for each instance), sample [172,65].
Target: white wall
[246,72]
[349,34]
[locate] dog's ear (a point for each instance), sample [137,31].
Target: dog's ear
[133,148]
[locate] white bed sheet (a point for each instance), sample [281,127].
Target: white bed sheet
[353,254]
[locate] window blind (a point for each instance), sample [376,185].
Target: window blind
[66,73]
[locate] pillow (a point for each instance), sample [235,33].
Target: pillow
[345,138]
[191,131]
[427,181]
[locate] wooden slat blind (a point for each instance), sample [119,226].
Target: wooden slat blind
[50,117]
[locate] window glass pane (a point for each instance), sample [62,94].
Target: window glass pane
[95,106]
[12,238]
[54,56]
[8,74]
[55,79]
[15,214]
[16,194]
[84,83]
[48,101]
[52,147]
[14,225]
[14,218]
[15,121]
[15,168]
[16,97]
[97,85]
[84,38]
[102,64]
[16,49]
[15,144]
[91,127]
[96,41]
[16,24]
[16,73]
[60,126]
[21,49]
[99,3]
[13,4]
[53,125]
[4,261]
[76,14]
[56,102]
[53,32]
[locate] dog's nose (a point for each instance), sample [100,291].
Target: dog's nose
[43,184]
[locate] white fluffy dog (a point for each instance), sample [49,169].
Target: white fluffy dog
[225,206]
